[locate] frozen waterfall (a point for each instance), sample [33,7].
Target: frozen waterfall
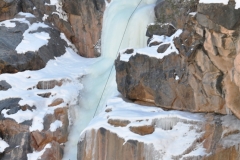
[115,22]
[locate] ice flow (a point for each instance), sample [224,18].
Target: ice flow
[116,20]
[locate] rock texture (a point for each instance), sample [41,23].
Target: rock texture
[86,18]
[9,8]
[203,77]
[174,11]
[11,37]
[218,137]
[80,21]
[22,141]
[21,138]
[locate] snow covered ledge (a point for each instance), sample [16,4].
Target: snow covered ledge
[145,132]
[153,51]
[149,131]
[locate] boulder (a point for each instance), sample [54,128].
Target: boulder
[224,15]
[80,21]
[203,77]
[4,85]
[163,48]
[12,62]
[160,29]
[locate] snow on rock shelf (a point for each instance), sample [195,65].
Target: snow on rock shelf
[153,50]
[28,43]
[38,109]
[21,18]
[37,155]
[155,134]
[33,41]
[55,125]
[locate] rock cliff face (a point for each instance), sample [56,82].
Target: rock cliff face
[80,21]
[202,75]
[205,137]
[193,66]
[15,33]
[86,19]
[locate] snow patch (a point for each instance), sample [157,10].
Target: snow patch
[55,125]
[107,3]
[152,51]
[200,151]
[18,117]
[192,13]
[25,14]
[3,145]
[63,67]
[45,16]
[37,155]
[62,35]
[11,22]
[33,41]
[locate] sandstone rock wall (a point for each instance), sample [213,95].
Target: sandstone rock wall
[86,19]
[203,77]
[102,144]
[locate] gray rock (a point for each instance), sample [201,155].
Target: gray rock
[202,77]
[11,103]
[4,85]
[11,62]
[224,15]
[83,17]
[159,29]
[163,48]
[175,11]
[129,51]
[20,144]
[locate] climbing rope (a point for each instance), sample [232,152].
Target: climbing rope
[116,57]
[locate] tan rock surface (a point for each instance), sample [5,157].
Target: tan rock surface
[207,64]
